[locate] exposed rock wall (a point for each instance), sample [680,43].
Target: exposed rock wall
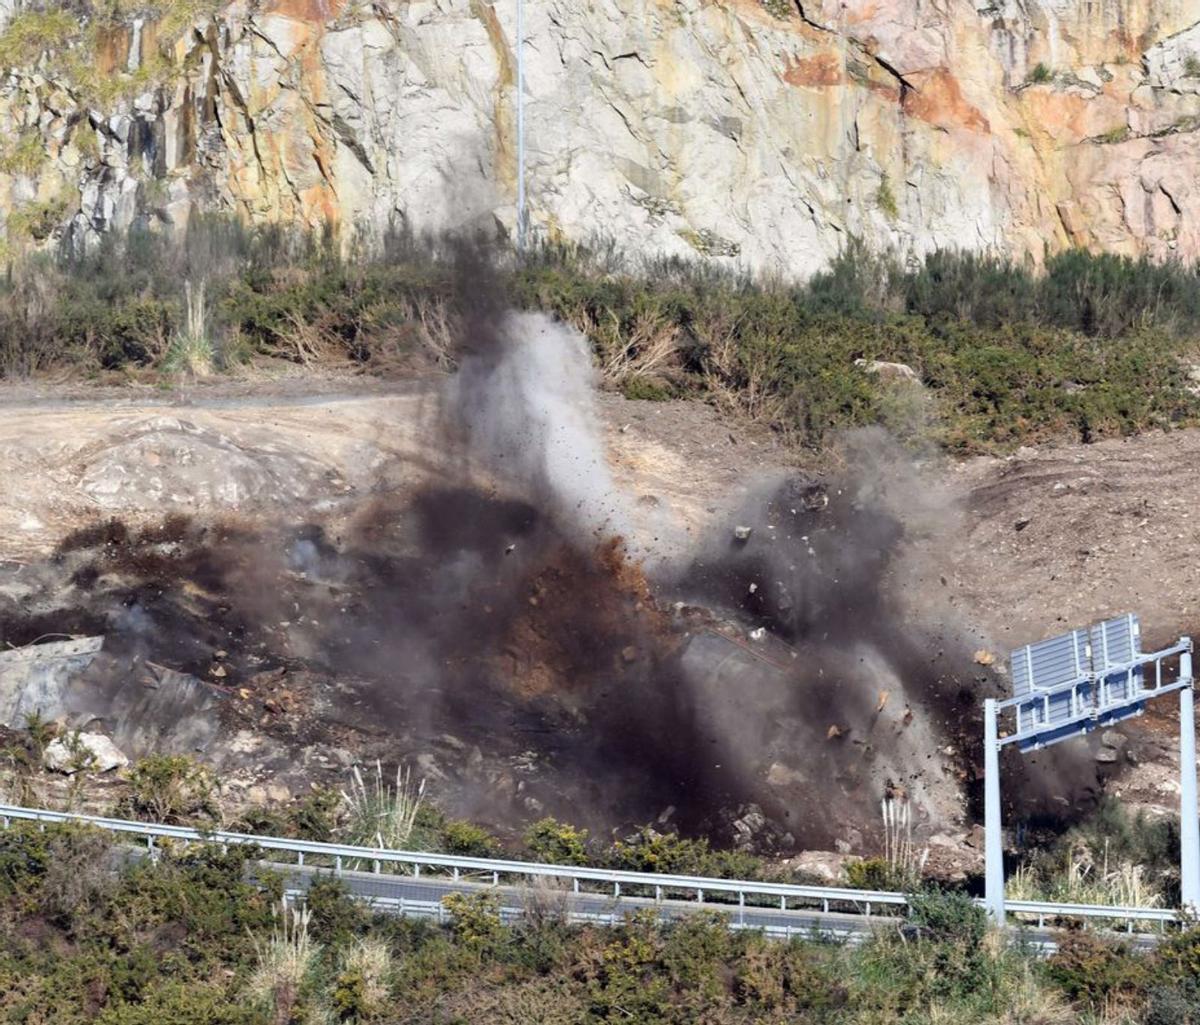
[764,132]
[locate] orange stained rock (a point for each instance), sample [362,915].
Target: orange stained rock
[313,11]
[824,69]
[937,98]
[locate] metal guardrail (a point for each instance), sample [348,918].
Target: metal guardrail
[407,907]
[727,893]
[862,901]
[1046,911]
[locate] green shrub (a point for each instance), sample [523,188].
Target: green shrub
[1040,75]
[172,789]
[1091,969]
[24,857]
[315,816]
[646,389]
[886,199]
[475,919]
[335,917]
[468,839]
[557,842]
[180,1003]
[1092,346]
[875,874]
[948,916]
[1177,1004]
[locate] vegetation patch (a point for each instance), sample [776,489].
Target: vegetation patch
[1040,75]
[73,42]
[189,940]
[1090,346]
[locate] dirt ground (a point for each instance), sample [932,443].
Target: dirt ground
[1026,545]
[1011,550]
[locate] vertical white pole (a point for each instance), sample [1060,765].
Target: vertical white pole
[1189,825]
[520,125]
[993,843]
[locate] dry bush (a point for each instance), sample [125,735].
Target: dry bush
[439,328]
[547,902]
[362,985]
[647,346]
[285,959]
[548,1000]
[379,814]
[79,873]
[307,342]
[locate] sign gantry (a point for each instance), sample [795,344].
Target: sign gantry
[1069,685]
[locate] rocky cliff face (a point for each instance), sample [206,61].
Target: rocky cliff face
[765,132]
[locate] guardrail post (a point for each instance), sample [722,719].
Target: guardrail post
[337,864]
[993,841]
[300,858]
[1189,822]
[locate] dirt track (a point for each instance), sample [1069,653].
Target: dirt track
[1024,545]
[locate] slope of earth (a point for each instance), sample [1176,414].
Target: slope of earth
[230,449]
[995,553]
[1054,538]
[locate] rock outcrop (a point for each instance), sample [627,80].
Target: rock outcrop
[761,132]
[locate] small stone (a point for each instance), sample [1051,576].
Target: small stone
[742,533]
[1111,738]
[780,775]
[1106,756]
[429,767]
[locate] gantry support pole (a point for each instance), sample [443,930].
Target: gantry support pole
[993,842]
[1189,818]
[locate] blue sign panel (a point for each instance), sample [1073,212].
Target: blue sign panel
[1116,647]
[1070,684]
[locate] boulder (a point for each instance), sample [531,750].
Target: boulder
[92,752]
[888,371]
[826,866]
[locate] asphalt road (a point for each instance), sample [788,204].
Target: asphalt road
[422,896]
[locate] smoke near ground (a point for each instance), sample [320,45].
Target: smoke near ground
[766,687]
